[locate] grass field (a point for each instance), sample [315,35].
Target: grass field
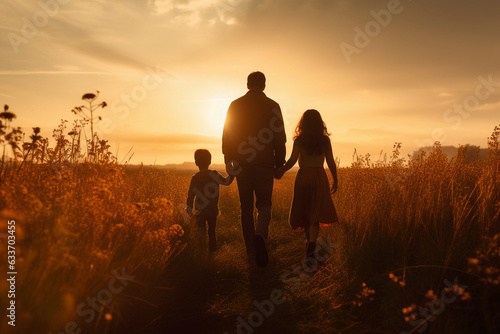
[108,249]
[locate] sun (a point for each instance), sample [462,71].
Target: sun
[215,111]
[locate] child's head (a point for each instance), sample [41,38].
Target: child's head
[312,131]
[202,158]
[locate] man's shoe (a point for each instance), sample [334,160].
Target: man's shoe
[212,244]
[261,257]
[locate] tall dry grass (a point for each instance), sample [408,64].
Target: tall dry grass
[408,227]
[74,225]
[405,227]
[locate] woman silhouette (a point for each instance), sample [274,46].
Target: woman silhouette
[312,202]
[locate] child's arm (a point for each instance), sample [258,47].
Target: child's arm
[332,166]
[190,198]
[223,181]
[291,162]
[228,180]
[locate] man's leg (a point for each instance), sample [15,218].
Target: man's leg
[263,183]
[245,190]
[264,179]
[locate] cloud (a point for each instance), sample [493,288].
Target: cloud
[61,72]
[193,12]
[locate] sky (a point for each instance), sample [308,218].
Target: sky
[379,72]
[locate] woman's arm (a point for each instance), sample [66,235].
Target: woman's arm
[291,162]
[332,166]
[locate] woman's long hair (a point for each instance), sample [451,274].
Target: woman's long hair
[312,132]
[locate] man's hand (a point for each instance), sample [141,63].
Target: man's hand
[233,168]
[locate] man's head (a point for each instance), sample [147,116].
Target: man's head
[256,81]
[202,158]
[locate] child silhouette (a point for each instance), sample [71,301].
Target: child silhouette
[312,202]
[204,187]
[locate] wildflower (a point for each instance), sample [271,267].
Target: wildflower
[397,279]
[177,229]
[409,309]
[465,296]
[473,261]
[7,115]
[431,295]
[89,96]
[458,289]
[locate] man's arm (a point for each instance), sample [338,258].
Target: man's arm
[278,128]
[227,140]
[290,163]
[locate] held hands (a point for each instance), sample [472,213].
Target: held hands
[279,172]
[229,168]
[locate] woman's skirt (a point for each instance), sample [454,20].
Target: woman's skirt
[312,201]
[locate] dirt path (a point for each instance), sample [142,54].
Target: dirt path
[226,292]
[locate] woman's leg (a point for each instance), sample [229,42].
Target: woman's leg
[312,236]
[313,232]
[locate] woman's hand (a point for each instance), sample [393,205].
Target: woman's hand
[334,187]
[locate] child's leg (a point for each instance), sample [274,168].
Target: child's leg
[212,243]
[201,222]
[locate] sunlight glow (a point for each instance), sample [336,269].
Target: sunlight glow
[216,110]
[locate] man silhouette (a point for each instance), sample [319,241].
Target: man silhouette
[253,144]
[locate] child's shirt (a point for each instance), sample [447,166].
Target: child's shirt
[205,188]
